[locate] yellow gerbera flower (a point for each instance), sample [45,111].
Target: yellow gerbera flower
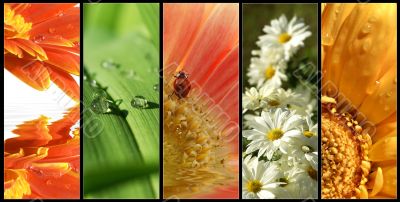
[359,137]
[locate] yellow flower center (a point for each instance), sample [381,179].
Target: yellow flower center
[273,103]
[345,164]
[284,37]
[196,151]
[308,134]
[275,134]
[15,25]
[254,186]
[269,72]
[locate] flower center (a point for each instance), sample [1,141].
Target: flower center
[269,72]
[345,164]
[284,37]
[15,25]
[273,103]
[308,134]
[196,149]
[283,179]
[275,134]
[254,186]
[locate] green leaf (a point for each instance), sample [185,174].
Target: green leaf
[122,159]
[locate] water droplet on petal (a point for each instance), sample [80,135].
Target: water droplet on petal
[100,105]
[49,182]
[60,13]
[366,45]
[139,102]
[52,30]
[38,38]
[109,64]
[327,39]
[155,87]
[70,26]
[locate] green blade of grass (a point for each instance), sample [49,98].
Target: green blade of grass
[131,143]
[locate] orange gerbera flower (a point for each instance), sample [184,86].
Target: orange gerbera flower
[201,130]
[359,89]
[41,43]
[43,161]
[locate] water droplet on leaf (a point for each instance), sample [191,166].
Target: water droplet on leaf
[100,105]
[139,102]
[109,64]
[155,87]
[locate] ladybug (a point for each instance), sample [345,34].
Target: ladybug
[181,85]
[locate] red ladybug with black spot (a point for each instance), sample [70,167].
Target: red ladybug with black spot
[181,85]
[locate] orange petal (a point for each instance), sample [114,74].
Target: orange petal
[12,47]
[25,157]
[65,82]
[40,12]
[178,35]
[221,33]
[63,59]
[67,26]
[60,129]
[31,72]
[53,180]
[30,134]
[31,48]
[16,185]
[68,152]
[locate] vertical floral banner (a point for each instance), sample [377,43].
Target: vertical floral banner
[359,95]
[280,132]
[42,67]
[201,86]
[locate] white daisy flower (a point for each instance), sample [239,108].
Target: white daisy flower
[263,70]
[272,54]
[306,148]
[251,99]
[271,131]
[260,179]
[280,33]
[300,183]
[281,98]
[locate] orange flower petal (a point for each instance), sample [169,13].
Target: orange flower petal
[39,12]
[62,59]
[31,48]
[67,26]
[60,129]
[15,184]
[177,42]
[25,157]
[221,33]
[12,47]
[31,72]
[65,82]
[31,134]
[53,180]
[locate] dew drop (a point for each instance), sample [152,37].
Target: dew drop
[38,38]
[366,29]
[366,45]
[49,182]
[100,105]
[139,102]
[84,77]
[109,64]
[155,87]
[327,39]
[93,83]
[100,93]
[386,108]
[377,82]
[77,44]
[70,26]
[52,30]
[60,13]
[305,148]
[128,73]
